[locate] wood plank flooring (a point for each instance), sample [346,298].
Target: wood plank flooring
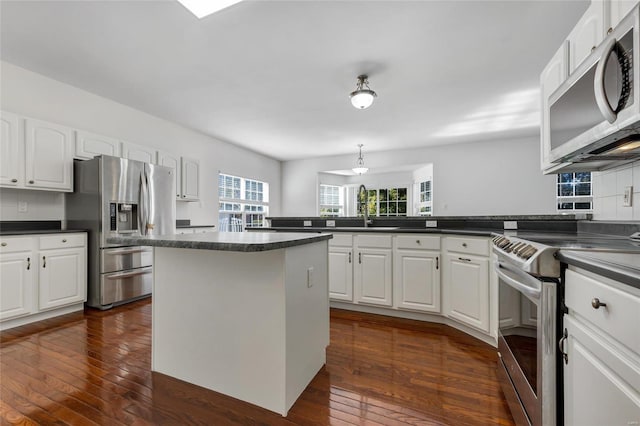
[94,368]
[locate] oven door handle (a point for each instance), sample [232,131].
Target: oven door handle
[532,291]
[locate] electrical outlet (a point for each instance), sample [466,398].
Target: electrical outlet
[23,207]
[510,224]
[310,276]
[331,224]
[431,224]
[307,223]
[627,196]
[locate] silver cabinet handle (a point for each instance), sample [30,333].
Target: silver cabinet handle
[44,261]
[563,339]
[464,259]
[28,263]
[596,303]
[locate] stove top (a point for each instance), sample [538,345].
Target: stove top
[535,253]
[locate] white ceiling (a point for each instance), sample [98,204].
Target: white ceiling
[274,76]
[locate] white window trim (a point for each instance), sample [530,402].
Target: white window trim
[342,199]
[243,201]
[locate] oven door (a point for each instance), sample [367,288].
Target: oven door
[526,343]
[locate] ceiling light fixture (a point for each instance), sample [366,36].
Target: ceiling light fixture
[362,98]
[360,168]
[202,8]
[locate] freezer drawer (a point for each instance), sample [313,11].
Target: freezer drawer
[124,285]
[121,258]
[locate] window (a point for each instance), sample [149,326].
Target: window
[331,201]
[574,192]
[385,202]
[243,203]
[424,195]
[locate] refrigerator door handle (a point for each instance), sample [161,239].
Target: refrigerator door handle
[142,203]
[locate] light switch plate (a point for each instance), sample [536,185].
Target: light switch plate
[23,207]
[627,196]
[510,224]
[331,224]
[307,223]
[431,224]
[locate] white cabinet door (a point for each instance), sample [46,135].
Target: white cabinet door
[62,277]
[553,75]
[170,160]
[467,285]
[11,151]
[341,273]
[89,145]
[373,279]
[619,9]
[16,284]
[137,152]
[417,280]
[190,179]
[600,388]
[587,34]
[48,156]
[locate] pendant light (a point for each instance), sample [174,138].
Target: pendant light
[362,97]
[360,168]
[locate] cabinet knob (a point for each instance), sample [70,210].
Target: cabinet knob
[596,303]
[30,181]
[64,240]
[464,244]
[14,180]
[610,30]
[593,48]
[418,242]
[4,244]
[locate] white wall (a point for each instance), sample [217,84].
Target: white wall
[40,205]
[35,95]
[608,188]
[482,178]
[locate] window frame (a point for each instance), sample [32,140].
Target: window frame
[340,206]
[245,201]
[561,180]
[386,201]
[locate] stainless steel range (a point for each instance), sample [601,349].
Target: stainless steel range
[529,322]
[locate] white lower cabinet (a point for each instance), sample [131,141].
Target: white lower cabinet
[62,277]
[341,273]
[372,273]
[602,347]
[416,273]
[16,284]
[41,276]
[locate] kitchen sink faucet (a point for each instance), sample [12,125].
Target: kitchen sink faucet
[362,196]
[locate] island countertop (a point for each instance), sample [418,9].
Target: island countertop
[224,241]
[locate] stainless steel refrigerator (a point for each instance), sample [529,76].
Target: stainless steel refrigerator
[114,197]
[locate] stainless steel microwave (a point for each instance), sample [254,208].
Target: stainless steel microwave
[594,116]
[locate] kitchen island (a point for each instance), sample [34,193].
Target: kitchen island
[243,314]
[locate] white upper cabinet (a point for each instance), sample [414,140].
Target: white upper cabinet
[171,160]
[137,152]
[620,9]
[556,71]
[11,150]
[48,156]
[89,145]
[588,33]
[190,179]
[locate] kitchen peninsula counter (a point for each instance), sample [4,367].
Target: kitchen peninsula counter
[243,314]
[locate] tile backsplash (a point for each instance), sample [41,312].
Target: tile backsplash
[608,193]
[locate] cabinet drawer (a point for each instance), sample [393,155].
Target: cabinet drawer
[477,246]
[619,318]
[203,230]
[343,240]
[418,242]
[15,244]
[376,241]
[62,241]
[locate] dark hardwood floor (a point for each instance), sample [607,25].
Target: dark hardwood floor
[94,368]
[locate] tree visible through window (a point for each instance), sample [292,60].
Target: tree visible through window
[574,191]
[385,202]
[241,208]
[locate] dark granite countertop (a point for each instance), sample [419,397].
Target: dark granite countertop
[194,226]
[621,267]
[380,229]
[225,241]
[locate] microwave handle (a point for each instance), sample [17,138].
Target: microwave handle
[598,83]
